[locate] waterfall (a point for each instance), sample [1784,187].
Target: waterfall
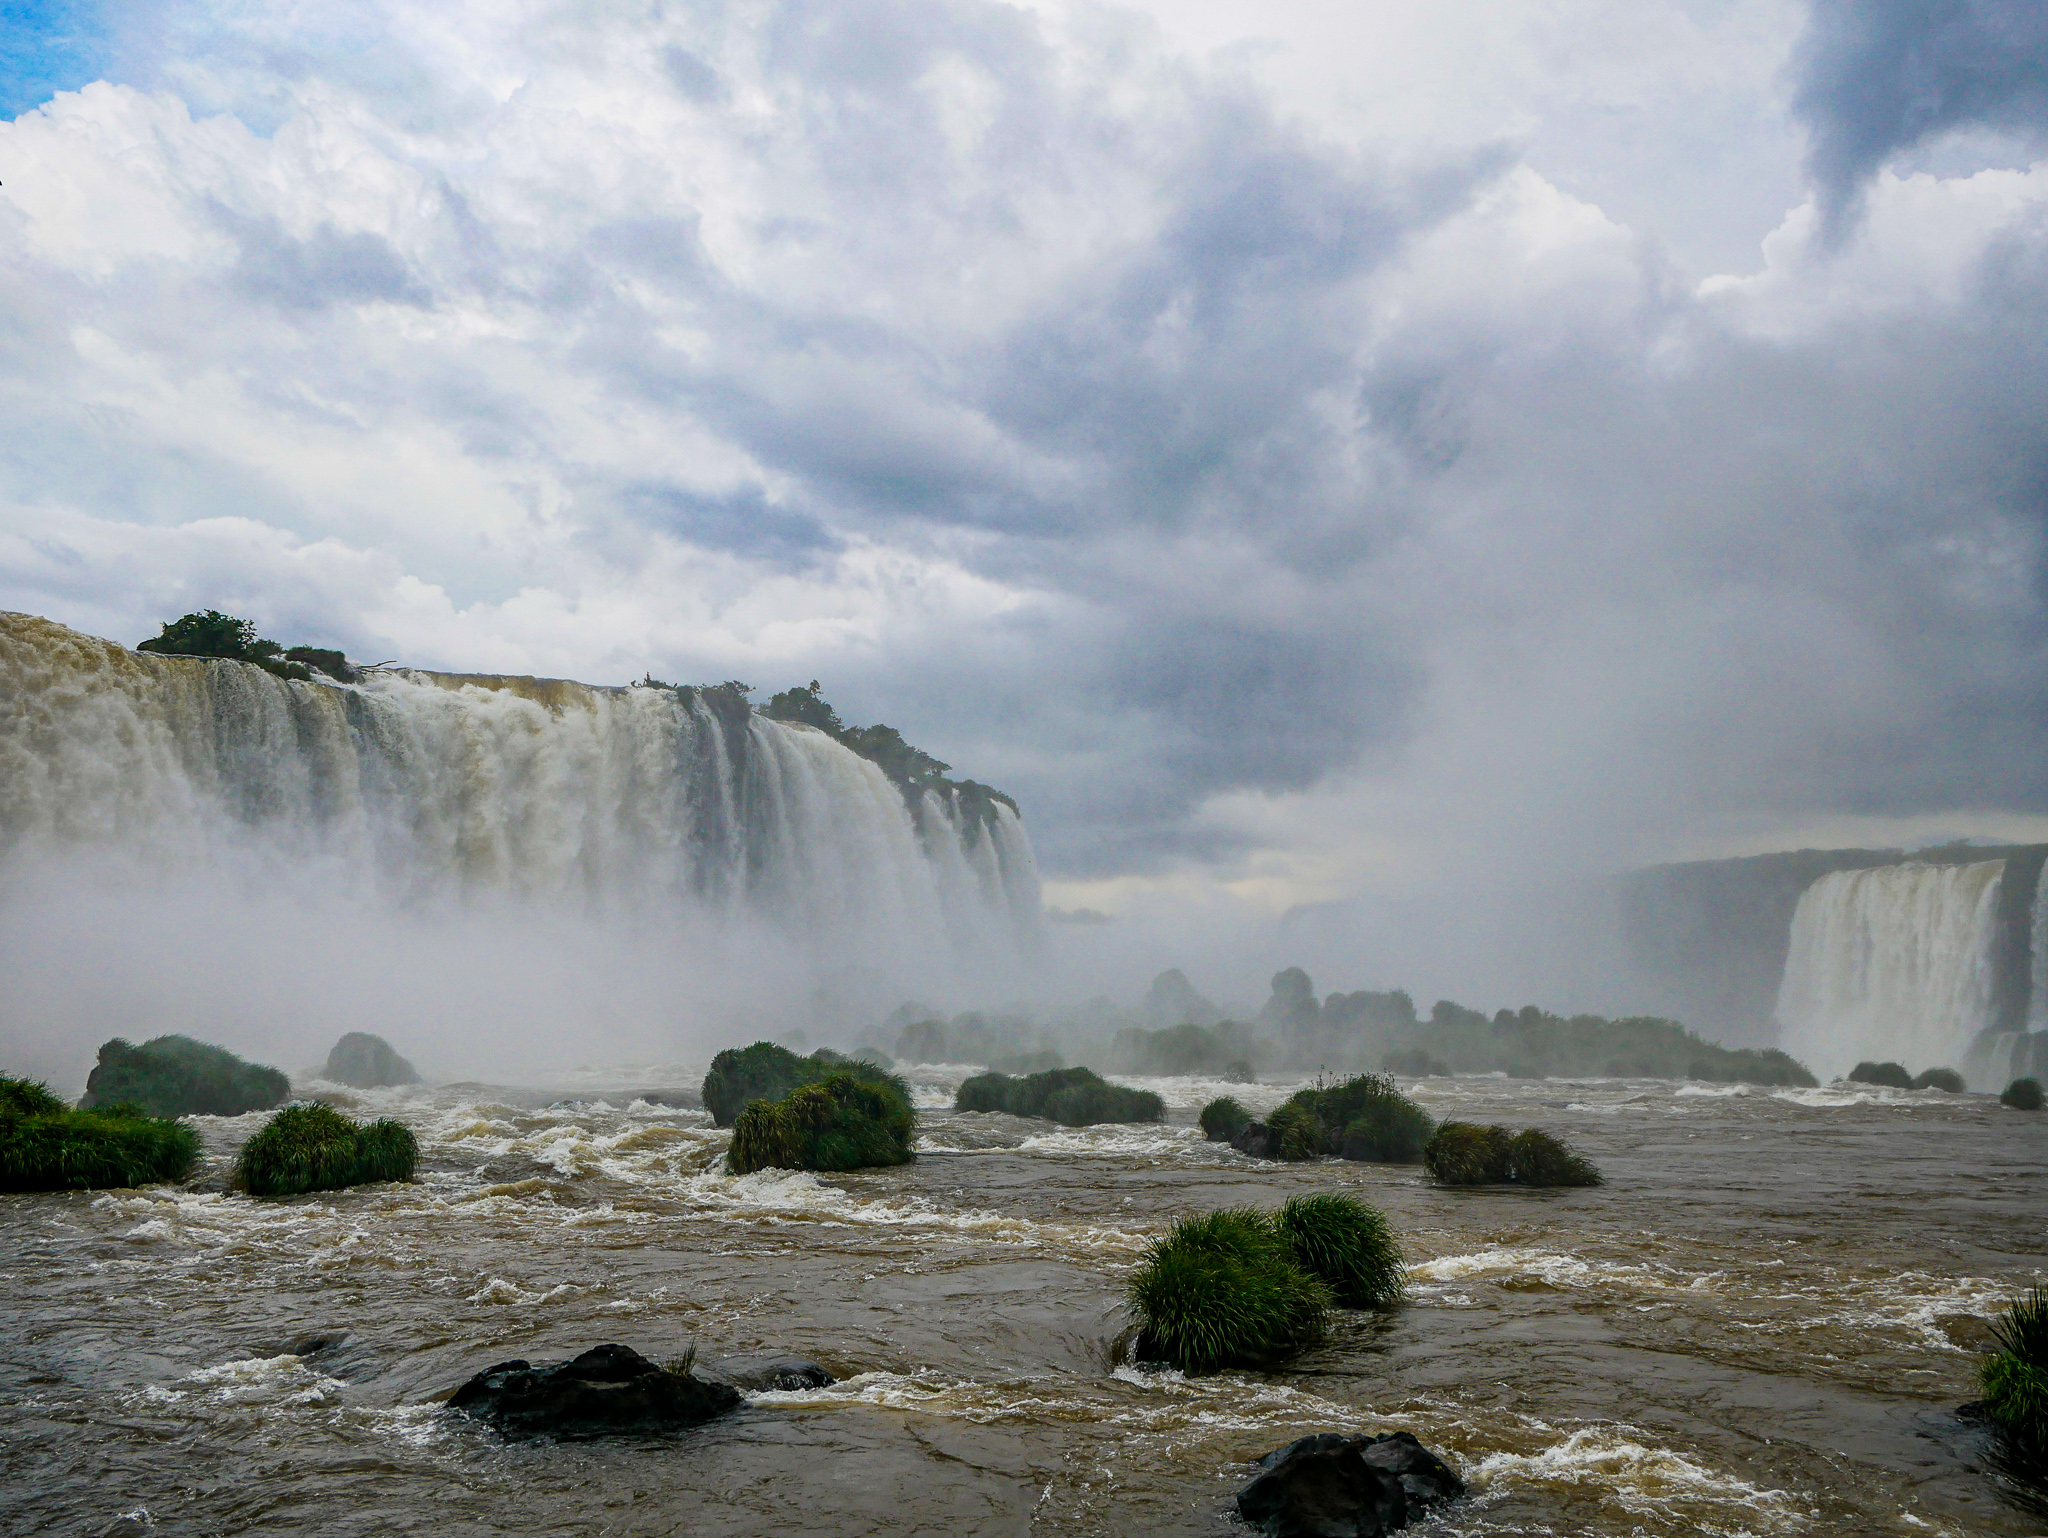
[415,789]
[1892,963]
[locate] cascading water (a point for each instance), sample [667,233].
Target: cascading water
[415,789]
[1891,964]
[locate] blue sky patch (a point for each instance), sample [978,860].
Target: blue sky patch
[47,46]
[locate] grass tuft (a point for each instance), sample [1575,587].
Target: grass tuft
[1073,1097]
[47,1146]
[765,1071]
[2022,1095]
[1225,1289]
[1535,1158]
[683,1363]
[316,1148]
[1463,1153]
[1223,1119]
[27,1097]
[1348,1245]
[2015,1377]
[1297,1134]
[847,1121]
[1367,1118]
[1887,1075]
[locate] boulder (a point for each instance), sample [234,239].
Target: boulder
[607,1390]
[780,1374]
[1333,1486]
[363,1061]
[1256,1138]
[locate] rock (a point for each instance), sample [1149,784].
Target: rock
[608,1389]
[1257,1139]
[780,1374]
[363,1061]
[1332,1486]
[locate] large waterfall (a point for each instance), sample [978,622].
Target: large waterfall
[1892,963]
[420,791]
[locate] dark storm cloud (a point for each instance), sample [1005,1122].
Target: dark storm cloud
[1878,77]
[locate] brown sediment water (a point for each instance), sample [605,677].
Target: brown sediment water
[1760,1325]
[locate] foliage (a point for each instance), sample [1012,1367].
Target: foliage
[2015,1377]
[2022,1095]
[767,1071]
[1939,1078]
[1297,1135]
[1364,1117]
[1223,1119]
[210,633]
[1889,1075]
[1535,1158]
[1348,1244]
[1074,1097]
[1462,1153]
[1225,1289]
[324,659]
[912,770]
[1415,1064]
[845,1121]
[316,1148]
[177,1076]
[47,1146]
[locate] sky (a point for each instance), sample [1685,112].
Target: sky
[1307,454]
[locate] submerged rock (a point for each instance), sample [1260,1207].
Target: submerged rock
[1333,1486]
[363,1061]
[607,1390]
[1256,1138]
[780,1374]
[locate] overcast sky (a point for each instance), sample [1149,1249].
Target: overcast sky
[1299,450]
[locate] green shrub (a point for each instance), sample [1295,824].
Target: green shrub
[1346,1243]
[316,1148]
[1074,1097]
[1535,1158]
[1297,1135]
[1223,1119]
[1463,1153]
[846,1121]
[766,1071]
[1939,1078]
[1362,1118]
[2015,1378]
[2022,1095]
[1225,1289]
[47,1146]
[177,1076]
[1889,1075]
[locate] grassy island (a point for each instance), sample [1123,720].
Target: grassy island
[47,1146]
[1221,1120]
[1073,1097]
[316,1148]
[846,1121]
[1467,1154]
[177,1076]
[765,1071]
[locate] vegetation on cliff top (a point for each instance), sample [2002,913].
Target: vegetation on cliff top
[845,1121]
[1073,1097]
[913,770]
[768,1071]
[316,1148]
[47,1146]
[177,1076]
[210,633]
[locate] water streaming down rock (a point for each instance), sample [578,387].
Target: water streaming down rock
[417,787]
[1893,963]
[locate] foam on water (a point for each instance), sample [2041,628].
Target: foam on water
[1646,1480]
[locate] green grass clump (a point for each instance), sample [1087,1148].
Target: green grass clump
[847,1121]
[1535,1158]
[1889,1075]
[1225,1289]
[1362,1118]
[1939,1078]
[1297,1134]
[1463,1153]
[765,1071]
[2022,1095]
[316,1148]
[1073,1097]
[1223,1119]
[177,1076]
[1346,1243]
[47,1146]
[2015,1377]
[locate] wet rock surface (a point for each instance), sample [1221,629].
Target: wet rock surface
[608,1390]
[774,1374]
[1334,1486]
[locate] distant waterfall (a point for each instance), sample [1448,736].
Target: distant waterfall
[417,788]
[1893,963]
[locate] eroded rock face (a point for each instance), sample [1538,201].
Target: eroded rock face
[1333,1486]
[607,1390]
[1257,1140]
[363,1061]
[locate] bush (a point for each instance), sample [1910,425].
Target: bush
[1940,1078]
[1223,1119]
[1535,1158]
[1346,1243]
[1889,1075]
[766,1071]
[1417,1064]
[2015,1378]
[1462,1153]
[2022,1095]
[1225,1289]
[1364,1118]
[316,1148]
[1297,1135]
[177,1076]
[47,1146]
[846,1121]
[1074,1097]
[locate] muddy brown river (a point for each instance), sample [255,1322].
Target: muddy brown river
[1760,1325]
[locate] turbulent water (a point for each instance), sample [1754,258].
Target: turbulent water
[413,788]
[1760,1325]
[1892,964]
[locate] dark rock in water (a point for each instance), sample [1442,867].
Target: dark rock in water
[781,1374]
[1257,1139]
[1333,1486]
[608,1389]
[363,1061]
